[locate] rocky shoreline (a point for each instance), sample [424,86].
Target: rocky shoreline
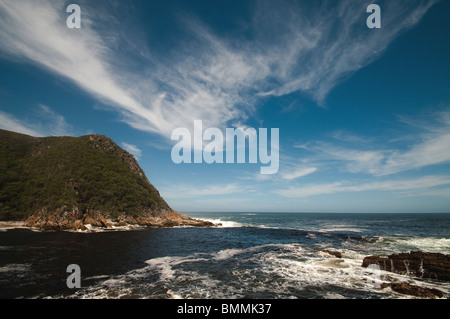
[416,264]
[73,221]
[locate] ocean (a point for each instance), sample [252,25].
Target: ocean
[252,256]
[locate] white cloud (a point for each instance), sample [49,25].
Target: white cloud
[157,100]
[431,147]
[325,46]
[191,191]
[422,183]
[298,173]
[43,121]
[215,80]
[37,33]
[357,160]
[310,190]
[435,149]
[10,123]
[53,124]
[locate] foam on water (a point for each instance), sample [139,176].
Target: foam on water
[16,268]
[429,244]
[225,223]
[266,271]
[341,229]
[287,258]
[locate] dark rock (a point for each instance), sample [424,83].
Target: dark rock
[412,290]
[415,263]
[336,254]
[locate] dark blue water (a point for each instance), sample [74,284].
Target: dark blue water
[253,255]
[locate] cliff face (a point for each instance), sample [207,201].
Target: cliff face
[70,182]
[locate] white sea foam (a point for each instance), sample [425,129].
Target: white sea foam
[428,244]
[273,271]
[227,253]
[173,295]
[114,282]
[95,229]
[15,268]
[340,227]
[333,296]
[97,277]
[164,266]
[224,223]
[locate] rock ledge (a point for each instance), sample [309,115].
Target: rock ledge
[415,263]
[75,221]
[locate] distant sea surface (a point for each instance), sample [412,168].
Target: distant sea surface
[252,255]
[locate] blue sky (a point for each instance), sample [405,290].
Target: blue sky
[363,114]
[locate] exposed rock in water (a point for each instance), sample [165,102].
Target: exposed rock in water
[336,254]
[413,290]
[415,263]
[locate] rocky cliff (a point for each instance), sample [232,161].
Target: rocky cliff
[63,183]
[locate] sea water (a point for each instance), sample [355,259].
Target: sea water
[251,255]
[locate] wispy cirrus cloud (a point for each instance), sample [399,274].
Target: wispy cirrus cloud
[36,33]
[11,123]
[191,191]
[327,44]
[345,153]
[422,186]
[433,150]
[308,48]
[43,122]
[430,146]
[297,173]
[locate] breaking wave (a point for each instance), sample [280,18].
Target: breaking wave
[428,244]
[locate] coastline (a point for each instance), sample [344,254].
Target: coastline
[104,224]
[200,262]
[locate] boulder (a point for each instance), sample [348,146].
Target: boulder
[103,222]
[415,263]
[413,290]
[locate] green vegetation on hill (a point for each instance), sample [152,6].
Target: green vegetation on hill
[88,173]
